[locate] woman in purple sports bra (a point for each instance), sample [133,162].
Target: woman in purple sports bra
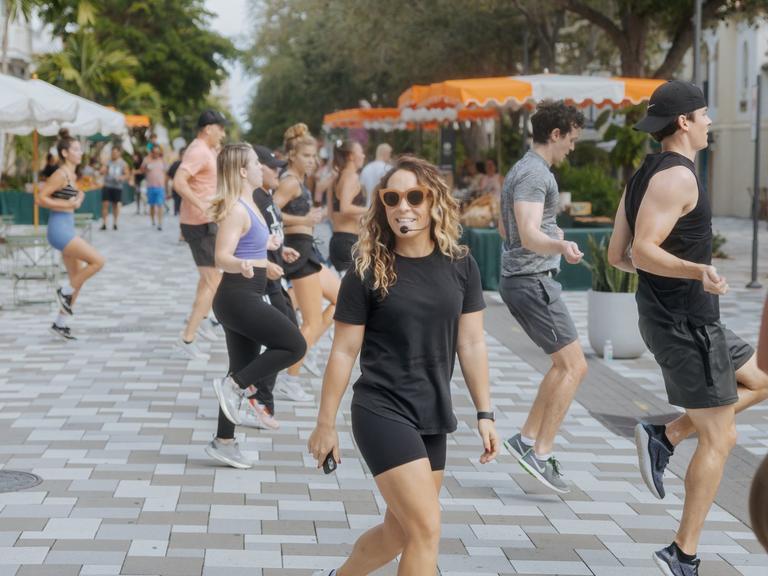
[249,322]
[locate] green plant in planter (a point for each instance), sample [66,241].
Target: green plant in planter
[606,278]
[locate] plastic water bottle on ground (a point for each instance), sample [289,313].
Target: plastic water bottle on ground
[608,351]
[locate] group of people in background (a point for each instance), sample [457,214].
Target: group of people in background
[406,297]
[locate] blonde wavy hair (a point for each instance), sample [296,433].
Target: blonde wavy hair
[374,252]
[295,137]
[230,160]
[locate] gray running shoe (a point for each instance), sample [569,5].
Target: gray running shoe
[229,395]
[207,331]
[190,351]
[228,453]
[652,455]
[517,446]
[548,473]
[670,563]
[291,390]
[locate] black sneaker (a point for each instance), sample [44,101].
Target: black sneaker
[669,562]
[62,331]
[103,227]
[65,301]
[114,226]
[652,455]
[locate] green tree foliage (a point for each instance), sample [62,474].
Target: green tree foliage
[176,53]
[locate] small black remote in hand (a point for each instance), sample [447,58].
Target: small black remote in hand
[329,464]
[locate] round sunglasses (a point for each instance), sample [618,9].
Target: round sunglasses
[414,196]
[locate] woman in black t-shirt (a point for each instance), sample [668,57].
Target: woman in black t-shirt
[412,301]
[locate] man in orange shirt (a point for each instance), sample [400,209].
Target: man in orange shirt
[195,182]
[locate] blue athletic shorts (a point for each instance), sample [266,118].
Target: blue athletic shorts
[155,196]
[61,229]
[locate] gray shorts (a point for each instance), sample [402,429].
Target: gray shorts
[535,303]
[698,363]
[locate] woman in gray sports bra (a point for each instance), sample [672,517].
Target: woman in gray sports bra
[346,200]
[311,281]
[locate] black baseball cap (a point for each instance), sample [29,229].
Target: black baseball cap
[668,101]
[268,158]
[211,117]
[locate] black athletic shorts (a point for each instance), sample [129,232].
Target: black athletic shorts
[386,444]
[113,195]
[309,261]
[698,363]
[340,250]
[202,241]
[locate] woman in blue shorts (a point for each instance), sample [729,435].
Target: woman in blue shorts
[80,258]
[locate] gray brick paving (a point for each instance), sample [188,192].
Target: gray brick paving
[116,428]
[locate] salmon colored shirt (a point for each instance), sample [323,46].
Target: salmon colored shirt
[200,163]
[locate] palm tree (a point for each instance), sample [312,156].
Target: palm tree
[103,72]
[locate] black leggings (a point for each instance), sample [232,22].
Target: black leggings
[249,323]
[280,300]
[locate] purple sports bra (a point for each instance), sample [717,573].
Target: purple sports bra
[253,245]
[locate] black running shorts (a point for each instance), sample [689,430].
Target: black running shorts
[113,195]
[340,250]
[202,241]
[698,363]
[309,261]
[386,444]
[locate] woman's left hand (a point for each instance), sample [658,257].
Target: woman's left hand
[290,255]
[273,243]
[487,430]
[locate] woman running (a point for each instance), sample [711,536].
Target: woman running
[412,302]
[81,260]
[249,322]
[311,280]
[347,202]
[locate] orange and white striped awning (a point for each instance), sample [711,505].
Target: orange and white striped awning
[518,91]
[391,118]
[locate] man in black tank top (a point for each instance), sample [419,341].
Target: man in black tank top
[663,231]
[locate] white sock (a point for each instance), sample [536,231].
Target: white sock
[61,320]
[527,441]
[67,289]
[542,457]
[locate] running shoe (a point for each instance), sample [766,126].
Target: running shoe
[188,351]
[670,563]
[256,415]
[310,364]
[517,446]
[114,226]
[103,227]
[65,301]
[652,455]
[291,390]
[62,331]
[229,395]
[207,331]
[548,473]
[228,453]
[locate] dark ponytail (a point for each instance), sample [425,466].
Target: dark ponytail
[64,142]
[342,150]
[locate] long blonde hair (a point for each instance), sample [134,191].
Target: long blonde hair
[374,252]
[295,137]
[231,159]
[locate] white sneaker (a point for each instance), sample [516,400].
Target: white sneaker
[207,331]
[289,389]
[256,415]
[229,395]
[228,453]
[191,351]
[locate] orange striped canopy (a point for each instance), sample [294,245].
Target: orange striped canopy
[391,118]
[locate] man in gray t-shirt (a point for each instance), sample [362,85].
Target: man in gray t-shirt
[533,245]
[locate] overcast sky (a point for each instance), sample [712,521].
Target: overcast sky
[231,19]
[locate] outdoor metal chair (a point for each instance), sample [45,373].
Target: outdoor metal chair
[33,261]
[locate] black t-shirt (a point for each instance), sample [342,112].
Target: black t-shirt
[274,220]
[409,347]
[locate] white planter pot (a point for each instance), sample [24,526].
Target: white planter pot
[613,316]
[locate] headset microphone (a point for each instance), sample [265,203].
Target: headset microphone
[405,229]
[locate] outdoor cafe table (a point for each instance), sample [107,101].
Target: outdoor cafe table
[485,246]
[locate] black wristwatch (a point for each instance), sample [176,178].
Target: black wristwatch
[486,416]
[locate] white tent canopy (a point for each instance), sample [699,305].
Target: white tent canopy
[24,106]
[90,118]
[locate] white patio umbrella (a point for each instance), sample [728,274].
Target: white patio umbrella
[32,105]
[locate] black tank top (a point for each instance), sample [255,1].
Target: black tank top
[675,299]
[358,200]
[298,206]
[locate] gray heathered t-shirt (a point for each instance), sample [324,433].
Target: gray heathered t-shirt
[116,170]
[529,180]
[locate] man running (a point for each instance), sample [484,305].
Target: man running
[708,371]
[195,182]
[533,245]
